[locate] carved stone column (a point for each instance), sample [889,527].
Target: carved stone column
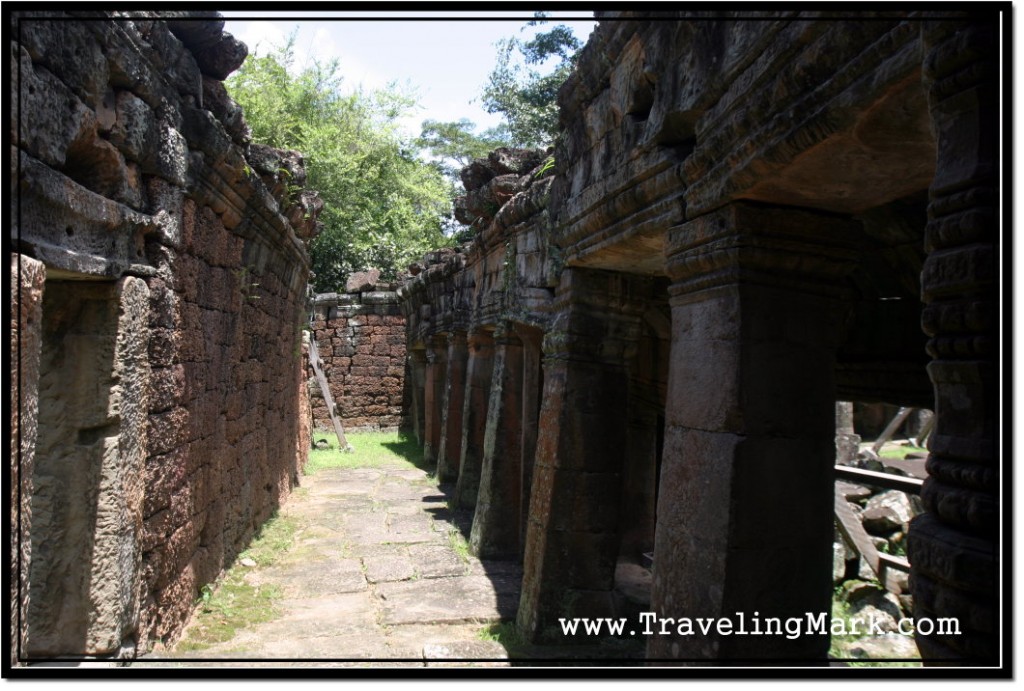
[572,539]
[745,521]
[454,400]
[952,547]
[433,396]
[495,532]
[474,416]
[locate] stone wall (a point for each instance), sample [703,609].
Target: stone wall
[642,355]
[360,337]
[170,391]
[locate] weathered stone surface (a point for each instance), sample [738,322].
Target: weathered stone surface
[174,369]
[492,654]
[838,562]
[87,523]
[361,342]
[476,174]
[322,578]
[221,58]
[887,512]
[666,125]
[386,568]
[448,600]
[853,492]
[27,283]
[505,161]
[886,647]
[362,280]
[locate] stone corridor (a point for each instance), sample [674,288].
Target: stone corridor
[375,577]
[632,368]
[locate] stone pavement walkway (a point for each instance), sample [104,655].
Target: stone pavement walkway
[374,574]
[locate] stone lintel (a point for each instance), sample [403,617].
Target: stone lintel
[754,244]
[597,316]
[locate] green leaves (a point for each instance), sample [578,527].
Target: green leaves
[526,96]
[383,206]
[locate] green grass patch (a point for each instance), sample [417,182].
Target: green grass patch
[900,452]
[458,543]
[369,450]
[233,603]
[273,538]
[507,635]
[227,607]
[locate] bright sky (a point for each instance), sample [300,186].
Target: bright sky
[446,61]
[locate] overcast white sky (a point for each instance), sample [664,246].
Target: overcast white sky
[446,61]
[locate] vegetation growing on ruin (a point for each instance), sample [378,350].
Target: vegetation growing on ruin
[384,206]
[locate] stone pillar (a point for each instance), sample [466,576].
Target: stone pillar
[474,416]
[745,498]
[495,532]
[28,277]
[952,547]
[433,396]
[639,479]
[531,339]
[847,441]
[454,400]
[417,380]
[572,539]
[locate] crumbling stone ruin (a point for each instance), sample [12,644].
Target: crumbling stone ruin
[360,337]
[158,279]
[631,371]
[643,353]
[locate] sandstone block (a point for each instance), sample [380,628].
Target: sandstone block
[362,281]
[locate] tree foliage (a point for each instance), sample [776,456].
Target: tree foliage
[454,145]
[524,94]
[383,205]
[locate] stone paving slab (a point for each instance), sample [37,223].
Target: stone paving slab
[317,579]
[380,569]
[414,528]
[446,600]
[436,561]
[436,654]
[368,533]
